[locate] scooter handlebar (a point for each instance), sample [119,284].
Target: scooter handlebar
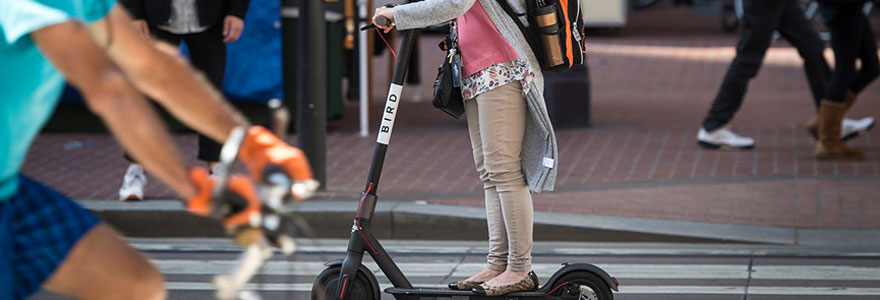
[380,20]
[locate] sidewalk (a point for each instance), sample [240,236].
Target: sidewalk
[639,161]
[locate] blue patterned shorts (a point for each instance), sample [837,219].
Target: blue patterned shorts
[38,227]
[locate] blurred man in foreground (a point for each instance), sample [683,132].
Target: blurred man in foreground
[45,238]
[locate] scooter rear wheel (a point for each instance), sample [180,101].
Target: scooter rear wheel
[326,283]
[582,285]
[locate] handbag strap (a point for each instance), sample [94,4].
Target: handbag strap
[451,42]
[452,38]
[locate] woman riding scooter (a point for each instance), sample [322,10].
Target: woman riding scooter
[513,143]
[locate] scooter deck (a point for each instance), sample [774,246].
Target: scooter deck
[445,292]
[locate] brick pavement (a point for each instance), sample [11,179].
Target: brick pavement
[639,159]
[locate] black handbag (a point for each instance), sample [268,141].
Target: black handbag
[447,96]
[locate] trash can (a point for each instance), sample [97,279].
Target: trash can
[567,95]
[335,33]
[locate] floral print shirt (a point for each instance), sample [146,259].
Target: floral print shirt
[497,75]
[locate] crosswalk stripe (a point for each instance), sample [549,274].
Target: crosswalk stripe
[814,291]
[463,270]
[698,277]
[681,289]
[761,290]
[624,289]
[638,271]
[300,248]
[266,287]
[817,272]
[552,248]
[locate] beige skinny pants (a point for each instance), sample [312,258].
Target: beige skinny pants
[496,123]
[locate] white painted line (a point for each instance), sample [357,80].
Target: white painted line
[630,251]
[544,270]
[266,287]
[195,247]
[624,289]
[463,270]
[681,289]
[647,271]
[761,290]
[813,291]
[302,246]
[450,247]
[679,271]
[214,267]
[816,272]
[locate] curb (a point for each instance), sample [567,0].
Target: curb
[406,220]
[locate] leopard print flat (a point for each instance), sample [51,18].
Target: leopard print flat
[464,284]
[530,282]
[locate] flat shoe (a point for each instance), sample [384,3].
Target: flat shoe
[464,284]
[530,282]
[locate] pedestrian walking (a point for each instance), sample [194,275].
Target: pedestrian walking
[852,40]
[760,19]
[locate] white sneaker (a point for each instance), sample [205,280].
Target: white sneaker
[723,138]
[133,184]
[853,128]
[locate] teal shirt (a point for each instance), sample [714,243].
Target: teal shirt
[29,84]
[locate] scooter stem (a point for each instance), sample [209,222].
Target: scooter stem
[362,239]
[390,112]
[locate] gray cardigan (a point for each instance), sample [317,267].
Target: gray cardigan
[539,144]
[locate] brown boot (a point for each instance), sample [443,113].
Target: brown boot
[812,124]
[830,145]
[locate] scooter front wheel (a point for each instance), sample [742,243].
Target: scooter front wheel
[582,285]
[326,283]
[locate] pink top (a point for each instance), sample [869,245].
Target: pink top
[479,41]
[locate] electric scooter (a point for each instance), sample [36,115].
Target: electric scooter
[347,278]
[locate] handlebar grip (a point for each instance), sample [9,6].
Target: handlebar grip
[382,21]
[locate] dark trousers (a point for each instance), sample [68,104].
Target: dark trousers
[851,39]
[760,19]
[207,53]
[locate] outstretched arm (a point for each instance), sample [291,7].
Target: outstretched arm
[190,98]
[108,93]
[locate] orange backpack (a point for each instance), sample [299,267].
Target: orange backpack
[554,30]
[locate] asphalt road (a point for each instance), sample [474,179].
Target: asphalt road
[645,271]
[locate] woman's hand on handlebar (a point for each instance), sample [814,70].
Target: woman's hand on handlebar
[388,13]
